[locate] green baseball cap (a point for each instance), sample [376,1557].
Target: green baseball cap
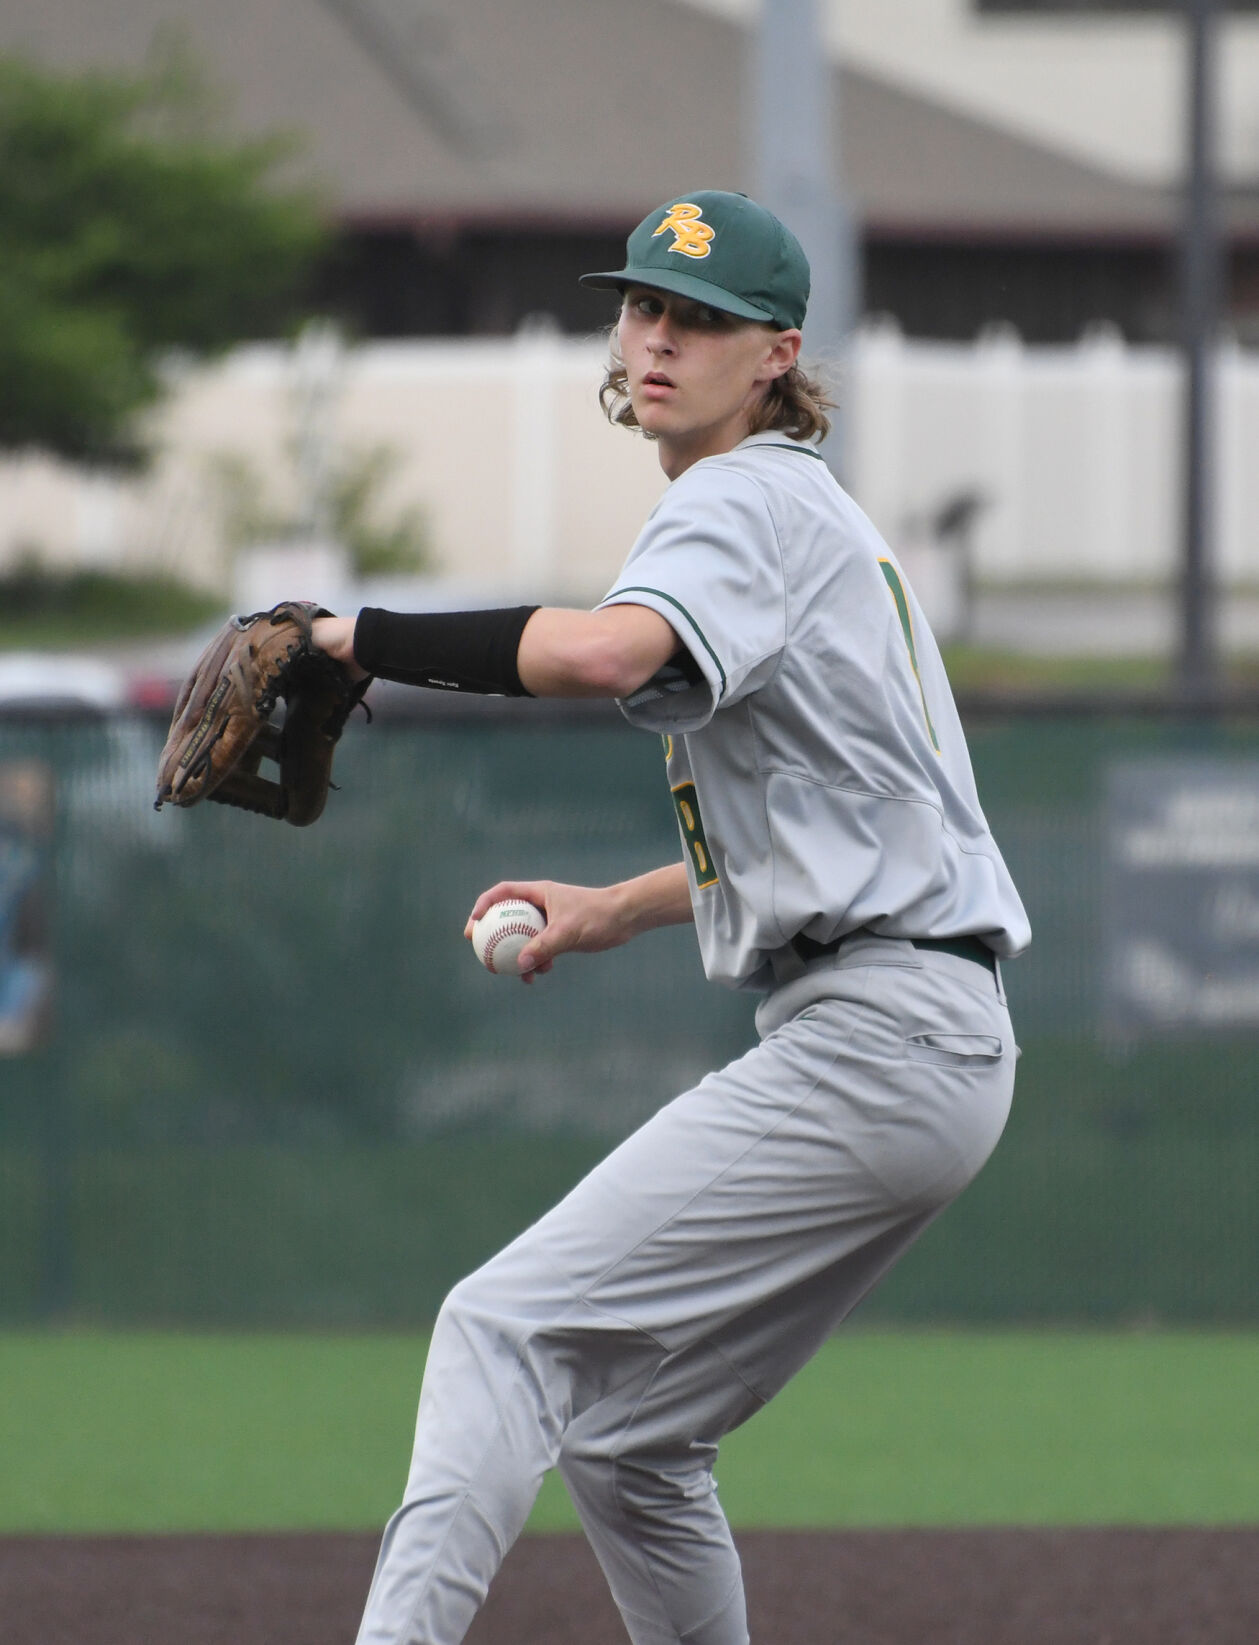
[720,249]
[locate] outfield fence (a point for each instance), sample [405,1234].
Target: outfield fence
[277,1089]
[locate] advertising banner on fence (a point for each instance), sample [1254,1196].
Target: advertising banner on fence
[26,811]
[1181,919]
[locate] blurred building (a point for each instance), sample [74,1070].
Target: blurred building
[1010,161]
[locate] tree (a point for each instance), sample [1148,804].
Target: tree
[130,226]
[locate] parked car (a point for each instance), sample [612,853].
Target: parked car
[48,683]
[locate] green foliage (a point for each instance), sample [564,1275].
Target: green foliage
[379,542]
[130,226]
[378,546]
[40,606]
[247,514]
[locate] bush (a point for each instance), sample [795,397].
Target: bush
[43,606]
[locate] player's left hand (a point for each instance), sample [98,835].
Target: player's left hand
[580,919]
[335,635]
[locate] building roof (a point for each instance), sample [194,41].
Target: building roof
[574,112]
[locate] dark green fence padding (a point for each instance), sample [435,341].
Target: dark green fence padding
[280,1090]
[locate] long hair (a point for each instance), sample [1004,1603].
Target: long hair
[794,404]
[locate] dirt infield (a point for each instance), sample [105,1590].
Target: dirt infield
[1106,1587]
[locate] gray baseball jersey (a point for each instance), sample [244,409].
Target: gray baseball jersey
[818,767]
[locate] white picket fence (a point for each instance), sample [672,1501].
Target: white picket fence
[1075,453]
[1062,464]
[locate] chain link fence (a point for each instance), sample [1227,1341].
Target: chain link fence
[276,1088]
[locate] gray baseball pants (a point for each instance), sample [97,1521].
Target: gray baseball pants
[682,1283]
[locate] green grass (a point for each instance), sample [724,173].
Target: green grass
[978,669]
[111,1432]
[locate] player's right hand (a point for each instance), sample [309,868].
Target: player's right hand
[580,919]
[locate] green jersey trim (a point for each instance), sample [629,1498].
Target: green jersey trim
[781,445]
[897,590]
[660,594]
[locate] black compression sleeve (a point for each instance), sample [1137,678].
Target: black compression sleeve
[446,650]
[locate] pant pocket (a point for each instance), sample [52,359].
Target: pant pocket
[954,1050]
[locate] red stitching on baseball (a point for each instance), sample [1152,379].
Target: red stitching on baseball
[515,928]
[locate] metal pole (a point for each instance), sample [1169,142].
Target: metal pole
[796,176]
[1200,300]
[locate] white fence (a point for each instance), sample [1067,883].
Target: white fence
[1061,464]
[1074,451]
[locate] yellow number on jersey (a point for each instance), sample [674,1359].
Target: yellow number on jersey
[684,798]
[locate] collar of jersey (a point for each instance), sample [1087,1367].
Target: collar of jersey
[771,437]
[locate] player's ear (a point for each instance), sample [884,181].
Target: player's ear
[783,352]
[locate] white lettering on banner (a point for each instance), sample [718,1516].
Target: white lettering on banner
[1212,828]
[1233,914]
[1182,922]
[1160,847]
[1156,981]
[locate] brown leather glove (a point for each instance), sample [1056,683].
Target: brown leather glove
[222,728]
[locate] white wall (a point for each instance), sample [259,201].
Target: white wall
[1073,451]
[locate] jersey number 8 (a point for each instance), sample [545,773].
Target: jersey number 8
[687,804]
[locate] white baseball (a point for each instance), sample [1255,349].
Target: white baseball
[502,933]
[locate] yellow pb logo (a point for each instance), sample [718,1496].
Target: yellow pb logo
[691,233]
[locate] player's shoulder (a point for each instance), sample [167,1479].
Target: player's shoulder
[808,507]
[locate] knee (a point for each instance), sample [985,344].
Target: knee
[468,1299]
[505,1339]
[589,1478]
[471,1313]
[638,1487]
[511,1295]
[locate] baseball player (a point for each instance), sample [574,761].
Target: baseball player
[835,862]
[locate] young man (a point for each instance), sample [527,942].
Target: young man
[835,861]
